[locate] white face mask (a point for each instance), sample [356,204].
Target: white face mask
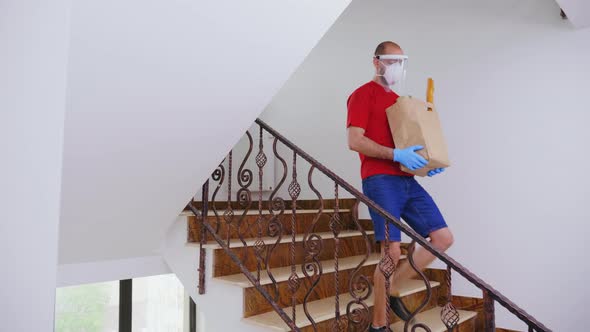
[393,74]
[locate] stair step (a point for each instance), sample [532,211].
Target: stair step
[253,212]
[234,243]
[248,223]
[323,310]
[432,319]
[344,203]
[282,273]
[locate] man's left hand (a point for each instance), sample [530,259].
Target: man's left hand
[435,171]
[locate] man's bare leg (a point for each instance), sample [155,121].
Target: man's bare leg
[441,239]
[380,306]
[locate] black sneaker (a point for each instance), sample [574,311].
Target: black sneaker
[381,329]
[399,308]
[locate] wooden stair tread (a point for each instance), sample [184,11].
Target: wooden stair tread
[432,319]
[282,273]
[323,309]
[236,243]
[253,212]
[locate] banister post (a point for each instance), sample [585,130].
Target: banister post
[489,313]
[203,240]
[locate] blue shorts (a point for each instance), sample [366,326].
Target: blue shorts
[402,196]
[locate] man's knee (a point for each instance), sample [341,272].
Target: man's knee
[395,250]
[442,239]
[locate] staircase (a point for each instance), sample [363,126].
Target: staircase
[307,265]
[353,250]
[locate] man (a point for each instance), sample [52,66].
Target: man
[385,183]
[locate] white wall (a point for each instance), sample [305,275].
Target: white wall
[94,272]
[33,56]
[159,91]
[577,11]
[511,86]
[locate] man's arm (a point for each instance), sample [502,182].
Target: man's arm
[357,141]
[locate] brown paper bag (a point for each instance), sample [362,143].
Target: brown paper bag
[412,124]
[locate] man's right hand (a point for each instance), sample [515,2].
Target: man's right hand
[409,158]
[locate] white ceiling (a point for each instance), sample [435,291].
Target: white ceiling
[158,92]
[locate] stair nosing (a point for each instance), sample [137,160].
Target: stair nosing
[253,212]
[236,243]
[327,267]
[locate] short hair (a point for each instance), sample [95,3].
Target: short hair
[382,46]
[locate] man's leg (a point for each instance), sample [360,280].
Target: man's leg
[380,306]
[389,192]
[422,214]
[441,239]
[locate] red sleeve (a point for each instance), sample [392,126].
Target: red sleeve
[358,109]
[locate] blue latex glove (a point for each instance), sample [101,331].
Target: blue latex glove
[435,171]
[409,158]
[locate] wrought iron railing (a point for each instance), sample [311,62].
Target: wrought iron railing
[270,231]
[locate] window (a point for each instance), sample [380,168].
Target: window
[87,308]
[150,304]
[158,304]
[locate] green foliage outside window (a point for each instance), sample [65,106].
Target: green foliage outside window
[87,308]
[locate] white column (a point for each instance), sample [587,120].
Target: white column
[34,37]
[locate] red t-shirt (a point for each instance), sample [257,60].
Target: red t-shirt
[366,109]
